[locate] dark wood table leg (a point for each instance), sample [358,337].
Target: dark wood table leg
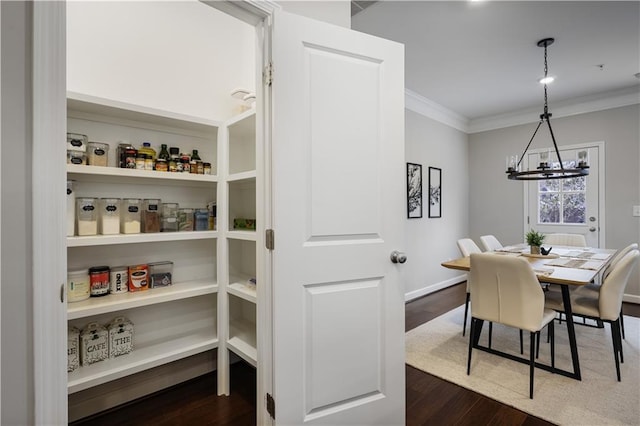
[566,300]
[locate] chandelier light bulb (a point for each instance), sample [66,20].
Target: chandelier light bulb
[547,80]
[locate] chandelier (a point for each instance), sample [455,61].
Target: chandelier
[545,169]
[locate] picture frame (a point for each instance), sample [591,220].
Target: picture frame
[435,192]
[414,191]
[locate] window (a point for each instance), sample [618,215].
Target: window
[562,201]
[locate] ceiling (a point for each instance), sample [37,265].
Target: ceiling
[480,59]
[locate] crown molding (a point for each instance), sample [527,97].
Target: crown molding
[426,107]
[581,105]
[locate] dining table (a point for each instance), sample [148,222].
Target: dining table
[564,266]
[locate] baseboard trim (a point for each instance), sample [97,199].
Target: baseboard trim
[412,295]
[631,298]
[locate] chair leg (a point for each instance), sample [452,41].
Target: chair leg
[614,337]
[622,323]
[472,332]
[537,344]
[490,333]
[552,334]
[620,342]
[466,311]
[532,351]
[521,345]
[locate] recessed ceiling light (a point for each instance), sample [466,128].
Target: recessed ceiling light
[546,80]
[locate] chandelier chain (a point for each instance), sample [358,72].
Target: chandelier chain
[546,70]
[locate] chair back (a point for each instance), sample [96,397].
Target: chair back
[504,289]
[612,289]
[617,258]
[575,240]
[490,243]
[468,246]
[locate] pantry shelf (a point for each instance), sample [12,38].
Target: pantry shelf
[117,175]
[142,358]
[248,177]
[242,235]
[244,349]
[129,300]
[102,240]
[240,288]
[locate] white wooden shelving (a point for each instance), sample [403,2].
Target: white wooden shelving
[173,322]
[130,300]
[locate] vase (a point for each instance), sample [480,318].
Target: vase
[535,249]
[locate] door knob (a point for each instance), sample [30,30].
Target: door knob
[398,257]
[592,229]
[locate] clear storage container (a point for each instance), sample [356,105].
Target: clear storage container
[169,224]
[151,208]
[201,220]
[97,154]
[87,214]
[109,216]
[77,142]
[161,273]
[130,217]
[185,219]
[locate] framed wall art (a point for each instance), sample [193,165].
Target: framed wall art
[435,192]
[414,190]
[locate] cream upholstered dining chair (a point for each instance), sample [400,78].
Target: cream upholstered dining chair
[490,243]
[558,239]
[604,305]
[466,247]
[596,286]
[505,290]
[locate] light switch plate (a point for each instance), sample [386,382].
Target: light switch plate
[636,210]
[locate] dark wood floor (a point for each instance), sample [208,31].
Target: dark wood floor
[430,400]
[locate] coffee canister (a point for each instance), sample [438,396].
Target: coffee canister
[73,348]
[119,280]
[99,280]
[78,285]
[138,277]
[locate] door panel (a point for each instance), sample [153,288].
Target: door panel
[567,205]
[338,210]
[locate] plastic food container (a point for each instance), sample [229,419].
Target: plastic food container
[151,215]
[119,280]
[77,142]
[97,154]
[76,157]
[201,219]
[169,224]
[185,219]
[160,273]
[109,216]
[87,214]
[130,220]
[78,287]
[99,280]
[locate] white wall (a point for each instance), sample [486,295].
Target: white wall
[497,203]
[16,280]
[183,56]
[432,241]
[337,12]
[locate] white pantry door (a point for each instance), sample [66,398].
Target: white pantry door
[338,213]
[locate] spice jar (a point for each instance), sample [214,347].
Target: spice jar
[141,161]
[99,280]
[206,168]
[151,215]
[130,221]
[109,216]
[87,213]
[162,165]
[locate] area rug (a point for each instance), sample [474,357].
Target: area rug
[438,348]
